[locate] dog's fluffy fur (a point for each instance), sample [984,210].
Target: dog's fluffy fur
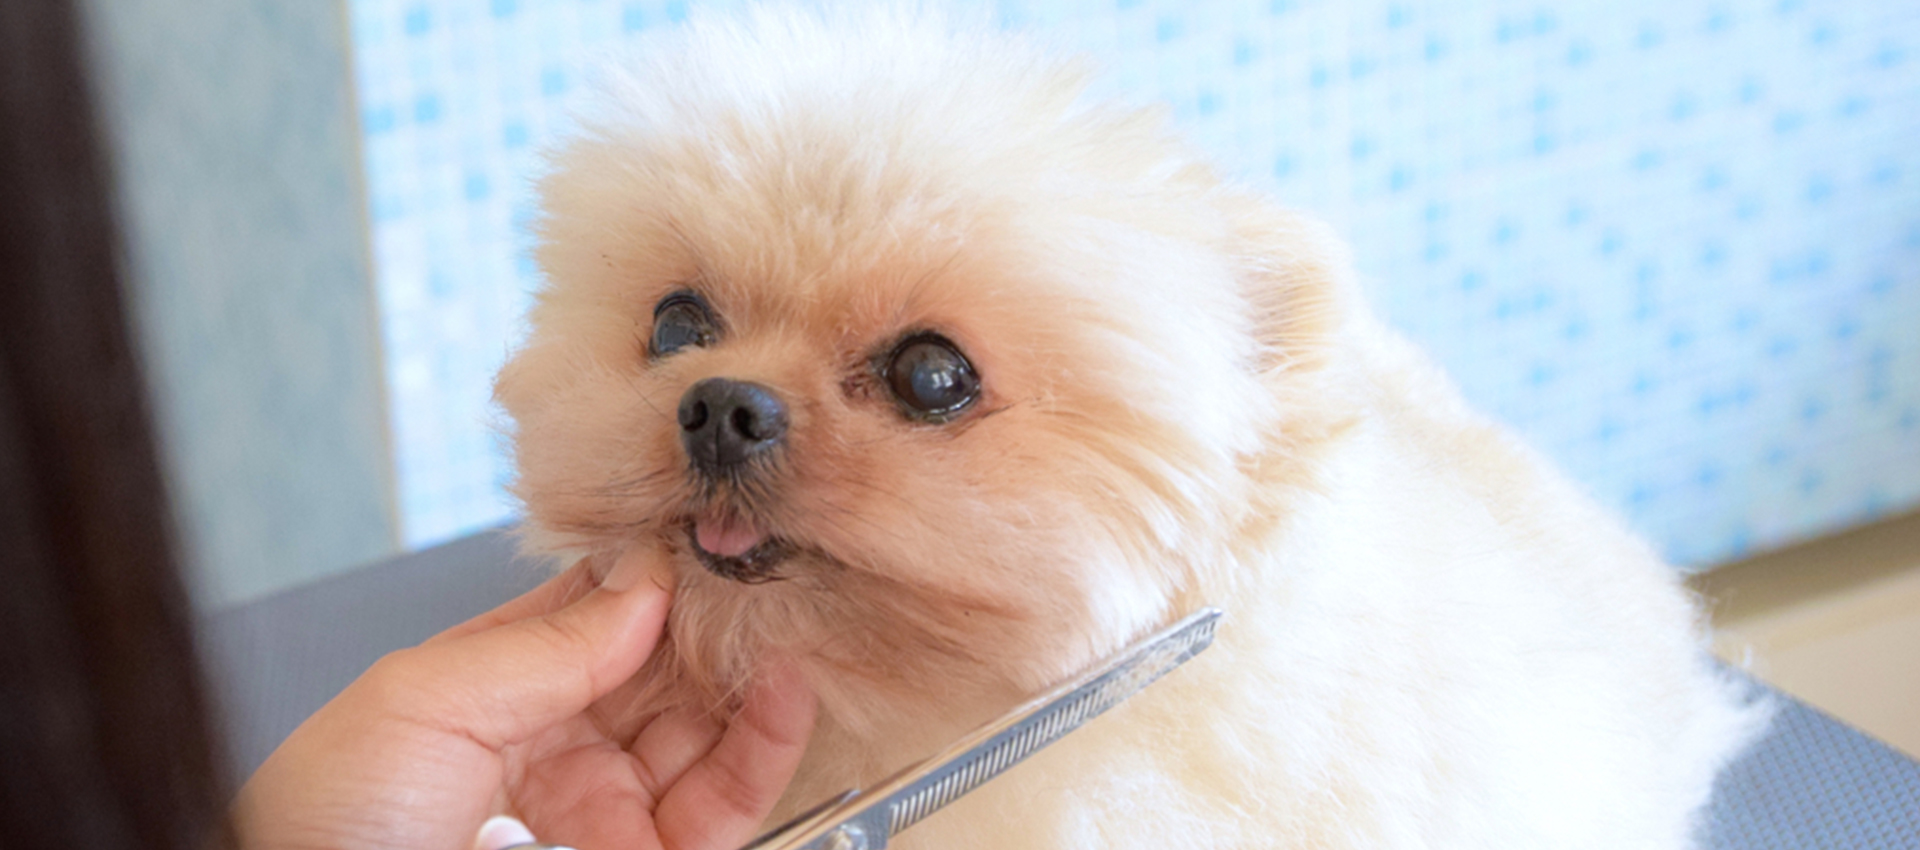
[1432,640]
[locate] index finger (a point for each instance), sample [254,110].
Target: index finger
[499,686]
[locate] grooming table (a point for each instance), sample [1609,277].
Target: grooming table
[1812,782]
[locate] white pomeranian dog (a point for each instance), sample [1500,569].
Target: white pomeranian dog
[939,382]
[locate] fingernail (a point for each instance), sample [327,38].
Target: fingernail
[501,832]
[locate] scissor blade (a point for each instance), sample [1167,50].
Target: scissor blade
[1026,733]
[867,819]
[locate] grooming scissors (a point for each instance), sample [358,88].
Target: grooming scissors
[864,819]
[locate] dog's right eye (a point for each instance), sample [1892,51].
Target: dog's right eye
[680,320]
[931,378]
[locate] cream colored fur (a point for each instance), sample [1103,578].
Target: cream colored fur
[1432,640]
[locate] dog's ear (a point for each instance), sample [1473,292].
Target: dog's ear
[1297,275]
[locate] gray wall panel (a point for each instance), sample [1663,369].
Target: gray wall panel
[232,125]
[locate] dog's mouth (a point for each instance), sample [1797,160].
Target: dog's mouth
[737,548]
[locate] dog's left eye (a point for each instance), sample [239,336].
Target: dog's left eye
[680,320]
[931,378]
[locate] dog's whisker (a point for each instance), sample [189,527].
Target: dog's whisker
[633,383]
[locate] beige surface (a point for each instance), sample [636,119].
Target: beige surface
[1835,622]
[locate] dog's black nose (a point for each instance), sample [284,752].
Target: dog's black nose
[724,422]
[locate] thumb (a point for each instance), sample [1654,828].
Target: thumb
[503,685]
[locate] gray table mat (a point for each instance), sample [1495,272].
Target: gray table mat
[1814,782]
[1811,783]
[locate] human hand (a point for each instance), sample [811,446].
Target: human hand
[500,713]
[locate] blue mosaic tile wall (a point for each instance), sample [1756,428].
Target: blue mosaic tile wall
[1676,244]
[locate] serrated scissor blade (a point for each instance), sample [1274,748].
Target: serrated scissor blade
[864,820]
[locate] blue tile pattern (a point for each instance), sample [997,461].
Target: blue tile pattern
[1676,244]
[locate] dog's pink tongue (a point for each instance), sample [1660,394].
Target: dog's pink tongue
[727,536]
